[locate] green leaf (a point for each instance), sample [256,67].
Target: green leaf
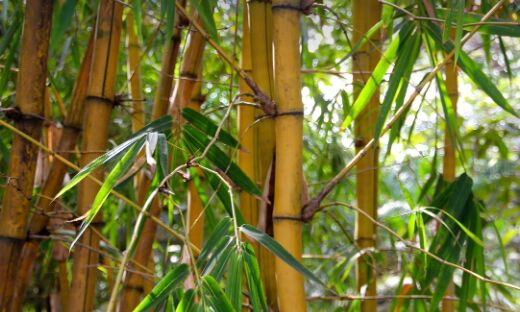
[121,168]
[234,279]
[161,291]
[193,137]
[205,10]
[168,8]
[254,280]
[138,17]
[207,126]
[274,247]
[220,232]
[214,296]
[65,16]
[399,80]
[160,125]
[377,76]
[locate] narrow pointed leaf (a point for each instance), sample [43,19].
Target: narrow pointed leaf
[161,291]
[208,127]
[277,249]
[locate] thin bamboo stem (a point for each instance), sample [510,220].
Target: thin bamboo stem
[289,144]
[365,14]
[98,108]
[30,93]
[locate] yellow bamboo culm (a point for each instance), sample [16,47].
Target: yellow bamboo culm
[30,97]
[366,13]
[449,162]
[260,15]
[246,118]
[53,183]
[289,144]
[134,282]
[134,74]
[98,109]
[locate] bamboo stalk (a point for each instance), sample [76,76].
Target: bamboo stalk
[134,74]
[246,118]
[289,144]
[366,13]
[30,92]
[134,283]
[449,161]
[98,108]
[264,139]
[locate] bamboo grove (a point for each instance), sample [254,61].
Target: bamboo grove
[262,155]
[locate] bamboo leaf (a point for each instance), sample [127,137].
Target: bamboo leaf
[161,291]
[138,17]
[214,295]
[66,13]
[205,10]
[121,168]
[399,79]
[234,279]
[492,28]
[274,247]
[159,125]
[376,77]
[207,126]
[194,137]
[254,280]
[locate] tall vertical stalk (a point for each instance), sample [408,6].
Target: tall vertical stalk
[53,183]
[366,13]
[289,144]
[134,74]
[98,108]
[134,282]
[260,15]
[246,118]
[30,96]
[449,162]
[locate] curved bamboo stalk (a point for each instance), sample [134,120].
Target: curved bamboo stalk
[366,13]
[133,286]
[30,92]
[53,183]
[98,109]
[134,74]
[264,138]
[289,144]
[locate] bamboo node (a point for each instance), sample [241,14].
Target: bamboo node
[290,113]
[15,114]
[101,99]
[289,218]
